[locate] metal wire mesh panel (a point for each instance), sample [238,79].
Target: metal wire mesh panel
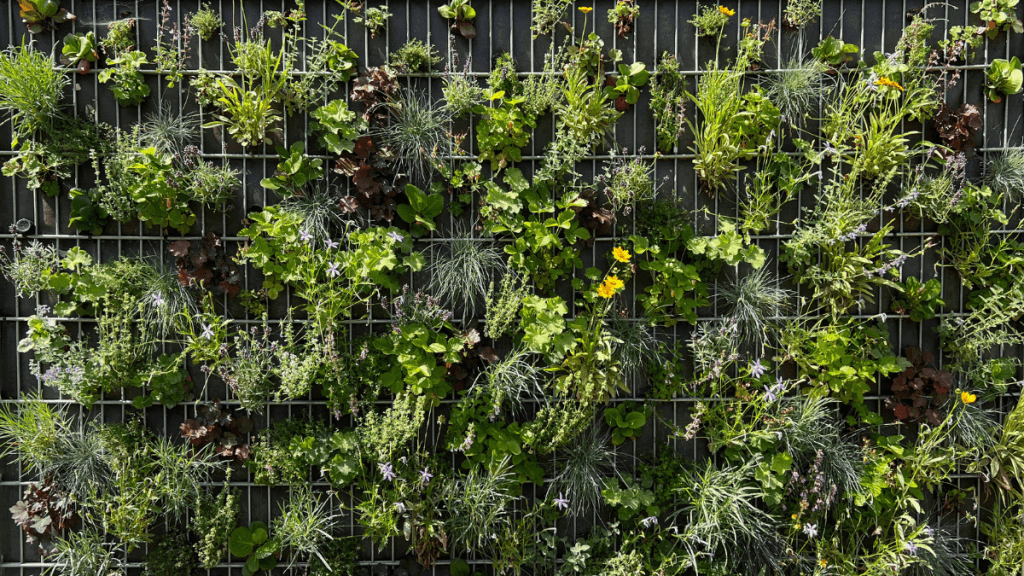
[503,26]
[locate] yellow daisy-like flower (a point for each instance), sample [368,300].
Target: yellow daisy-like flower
[605,291]
[883,81]
[822,563]
[726,11]
[586,9]
[967,397]
[621,254]
[614,282]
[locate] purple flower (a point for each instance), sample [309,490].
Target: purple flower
[811,530]
[773,393]
[158,300]
[649,521]
[387,471]
[929,531]
[400,506]
[332,244]
[305,236]
[425,476]
[910,548]
[562,503]
[756,369]
[395,236]
[332,270]
[207,332]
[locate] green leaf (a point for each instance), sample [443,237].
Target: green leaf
[240,542]
[781,462]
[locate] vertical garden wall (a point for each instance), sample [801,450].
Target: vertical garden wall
[511,287]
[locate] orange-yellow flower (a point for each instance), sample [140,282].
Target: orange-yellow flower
[883,81]
[614,282]
[967,397]
[621,254]
[586,9]
[726,11]
[822,563]
[605,291]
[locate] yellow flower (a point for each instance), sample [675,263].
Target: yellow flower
[621,254]
[883,81]
[614,283]
[726,11]
[967,397]
[605,291]
[822,563]
[586,9]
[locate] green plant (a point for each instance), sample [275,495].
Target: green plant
[206,22]
[635,345]
[799,13]
[305,526]
[130,87]
[725,519]
[998,15]
[626,421]
[421,210]
[503,130]
[503,304]
[85,553]
[546,14]
[920,301]
[120,37]
[32,90]
[710,20]
[989,324]
[796,89]
[414,56]
[294,171]
[213,522]
[622,16]
[374,19]
[43,15]
[463,14]
[668,102]
[755,301]
[1004,174]
[79,51]
[627,83]
[734,126]
[169,132]
[170,555]
[255,545]
[342,555]
[1004,78]
[157,201]
[337,127]
[33,433]
[585,115]
[842,359]
[462,268]
[178,474]
[581,476]
[417,134]
[508,383]
[628,181]
[834,52]
[461,91]
[480,504]
[31,267]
